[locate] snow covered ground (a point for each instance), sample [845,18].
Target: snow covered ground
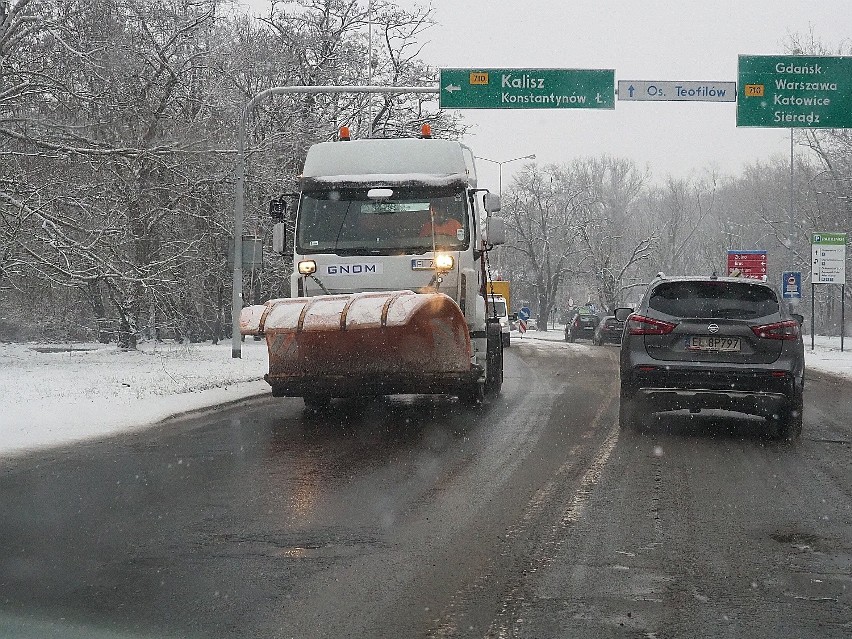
[826,356]
[53,394]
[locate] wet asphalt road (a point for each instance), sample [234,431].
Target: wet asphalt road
[414,517]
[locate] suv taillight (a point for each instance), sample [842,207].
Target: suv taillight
[641,325]
[787,330]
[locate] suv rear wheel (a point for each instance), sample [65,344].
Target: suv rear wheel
[787,424]
[625,414]
[628,418]
[471,395]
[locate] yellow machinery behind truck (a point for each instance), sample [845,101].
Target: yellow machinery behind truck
[499,306]
[501,287]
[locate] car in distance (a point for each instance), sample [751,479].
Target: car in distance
[581,325]
[712,343]
[608,331]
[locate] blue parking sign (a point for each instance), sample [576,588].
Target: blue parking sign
[791,285]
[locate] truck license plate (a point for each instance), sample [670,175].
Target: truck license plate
[713,343]
[421,264]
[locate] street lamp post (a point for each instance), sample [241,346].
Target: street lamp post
[500,164]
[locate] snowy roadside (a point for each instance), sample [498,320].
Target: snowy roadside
[54,394]
[826,356]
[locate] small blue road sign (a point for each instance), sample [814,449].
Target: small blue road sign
[791,285]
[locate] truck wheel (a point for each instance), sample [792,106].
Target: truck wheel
[494,374]
[472,395]
[317,401]
[494,360]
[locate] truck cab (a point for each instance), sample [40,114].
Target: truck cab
[380,216]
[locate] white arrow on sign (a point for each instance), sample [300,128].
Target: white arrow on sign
[668,90]
[452,87]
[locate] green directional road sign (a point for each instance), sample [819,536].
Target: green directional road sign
[527,89]
[828,265]
[795,91]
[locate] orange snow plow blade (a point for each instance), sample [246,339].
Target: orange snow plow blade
[365,343]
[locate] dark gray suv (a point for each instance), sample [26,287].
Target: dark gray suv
[712,343]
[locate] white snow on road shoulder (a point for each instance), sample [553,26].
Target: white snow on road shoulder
[826,355]
[55,394]
[73,392]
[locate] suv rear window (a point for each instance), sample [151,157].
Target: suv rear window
[729,300]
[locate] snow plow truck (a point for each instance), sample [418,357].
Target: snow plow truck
[388,288]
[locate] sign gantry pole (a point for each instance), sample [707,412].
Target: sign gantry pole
[457,88]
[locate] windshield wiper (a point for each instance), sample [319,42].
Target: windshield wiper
[342,222]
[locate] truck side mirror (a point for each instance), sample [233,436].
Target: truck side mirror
[495,231]
[492,203]
[279,237]
[278,210]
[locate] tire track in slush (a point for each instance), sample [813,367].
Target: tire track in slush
[543,554]
[501,627]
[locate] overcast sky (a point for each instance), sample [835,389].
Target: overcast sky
[642,40]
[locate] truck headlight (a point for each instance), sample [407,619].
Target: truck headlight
[444,262]
[307,267]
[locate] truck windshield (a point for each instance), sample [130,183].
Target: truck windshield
[347,222]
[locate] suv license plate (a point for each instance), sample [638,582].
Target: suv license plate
[707,343]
